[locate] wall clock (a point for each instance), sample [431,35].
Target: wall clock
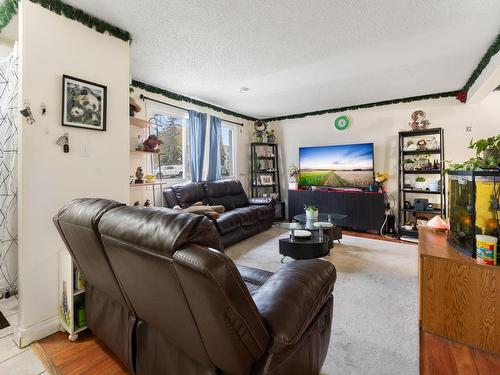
[342,123]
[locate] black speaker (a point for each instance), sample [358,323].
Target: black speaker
[420,204]
[390,225]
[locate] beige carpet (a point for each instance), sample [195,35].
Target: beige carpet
[375,318]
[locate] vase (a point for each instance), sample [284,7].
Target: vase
[420,185]
[312,215]
[270,139]
[259,139]
[292,185]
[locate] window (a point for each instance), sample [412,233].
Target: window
[170,163]
[227,159]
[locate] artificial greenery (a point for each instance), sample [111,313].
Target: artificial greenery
[420,179]
[492,51]
[173,95]
[8,9]
[75,14]
[368,105]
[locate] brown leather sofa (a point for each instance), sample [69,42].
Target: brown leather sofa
[166,301]
[242,218]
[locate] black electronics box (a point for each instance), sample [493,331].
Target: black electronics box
[420,204]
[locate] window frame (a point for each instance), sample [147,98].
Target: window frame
[232,127]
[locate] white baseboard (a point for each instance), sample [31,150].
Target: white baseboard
[25,336]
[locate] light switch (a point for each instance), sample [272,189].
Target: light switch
[84,150]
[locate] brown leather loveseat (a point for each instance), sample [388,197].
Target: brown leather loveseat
[242,218]
[163,298]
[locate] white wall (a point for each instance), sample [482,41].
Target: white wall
[380,125]
[242,145]
[51,46]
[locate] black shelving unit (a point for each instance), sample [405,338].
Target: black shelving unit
[264,159]
[410,214]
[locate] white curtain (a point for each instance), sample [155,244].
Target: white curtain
[9,113]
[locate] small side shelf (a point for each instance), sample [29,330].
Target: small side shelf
[139,123]
[71,300]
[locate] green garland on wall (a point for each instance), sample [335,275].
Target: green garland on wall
[8,9]
[75,14]
[367,105]
[492,51]
[173,95]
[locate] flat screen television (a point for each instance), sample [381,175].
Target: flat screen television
[338,166]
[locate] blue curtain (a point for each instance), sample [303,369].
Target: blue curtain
[197,131]
[214,153]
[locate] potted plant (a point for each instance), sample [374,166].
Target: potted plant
[293,174]
[380,177]
[487,156]
[312,212]
[270,136]
[260,128]
[420,183]
[409,164]
[489,147]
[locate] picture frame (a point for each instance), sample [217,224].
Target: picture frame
[266,179]
[84,104]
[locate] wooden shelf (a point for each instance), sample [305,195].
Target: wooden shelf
[266,157]
[155,183]
[139,123]
[137,152]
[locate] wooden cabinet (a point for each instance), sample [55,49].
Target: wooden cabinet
[459,299]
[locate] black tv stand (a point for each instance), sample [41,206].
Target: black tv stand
[365,210]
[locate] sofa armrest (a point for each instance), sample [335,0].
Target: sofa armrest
[291,299]
[262,201]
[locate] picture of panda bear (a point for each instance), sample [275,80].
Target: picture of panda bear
[84,104]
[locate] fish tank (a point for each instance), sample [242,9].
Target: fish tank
[473,208]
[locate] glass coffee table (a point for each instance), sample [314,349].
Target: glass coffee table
[306,240]
[329,224]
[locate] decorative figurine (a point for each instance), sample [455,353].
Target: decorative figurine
[147,203]
[418,121]
[152,144]
[139,174]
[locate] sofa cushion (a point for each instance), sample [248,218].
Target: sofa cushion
[189,193]
[228,222]
[217,195]
[248,215]
[236,192]
[264,212]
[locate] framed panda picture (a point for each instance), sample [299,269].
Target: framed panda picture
[84,104]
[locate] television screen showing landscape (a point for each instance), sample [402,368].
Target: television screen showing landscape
[337,166]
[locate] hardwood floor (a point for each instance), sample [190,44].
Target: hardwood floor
[439,356]
[373,236]
[88,355]
[85,356]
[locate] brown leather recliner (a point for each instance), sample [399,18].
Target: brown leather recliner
[196,312]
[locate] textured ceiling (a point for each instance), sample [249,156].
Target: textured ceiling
[298,55]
